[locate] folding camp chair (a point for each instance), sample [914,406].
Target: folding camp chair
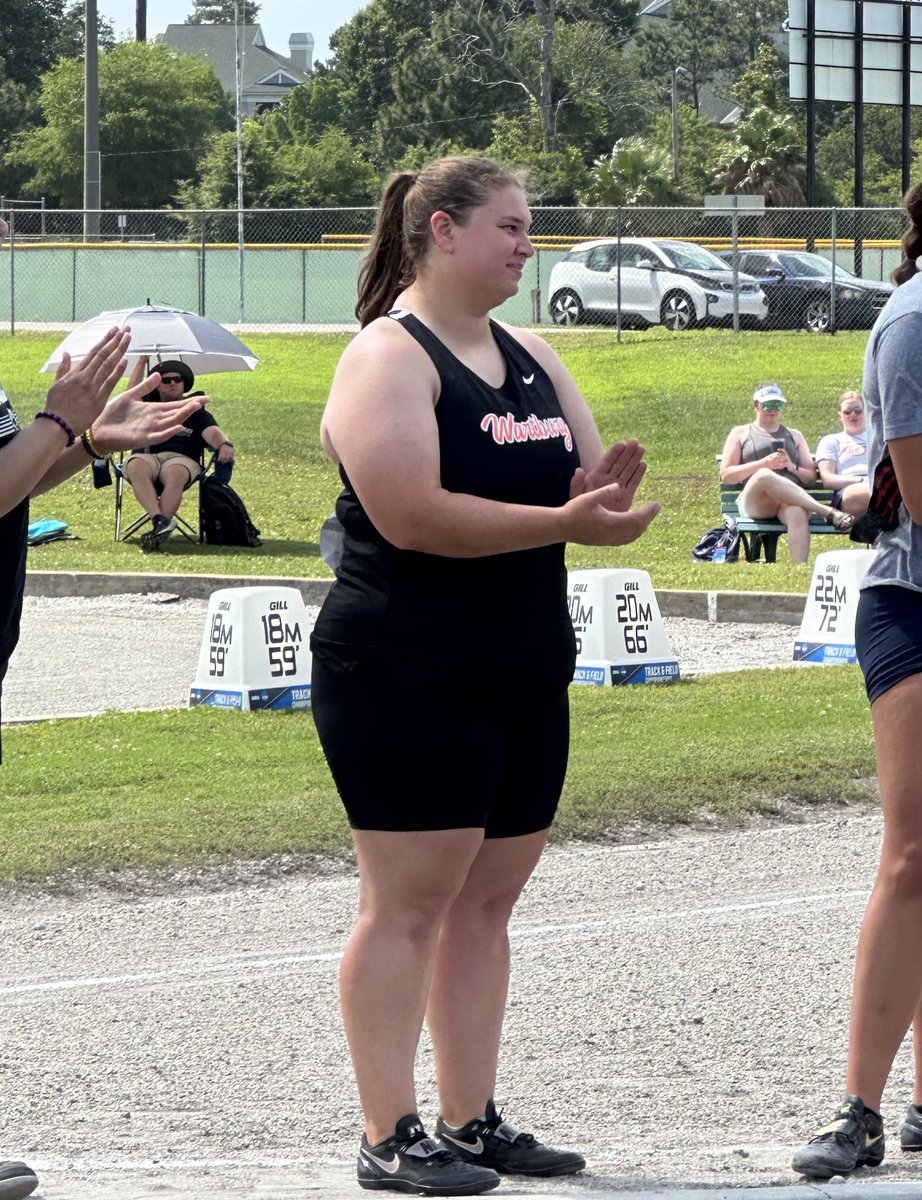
[192,533]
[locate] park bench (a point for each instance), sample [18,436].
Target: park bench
[760,537]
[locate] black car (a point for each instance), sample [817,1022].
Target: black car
[799,289]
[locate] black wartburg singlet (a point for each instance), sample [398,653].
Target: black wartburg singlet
[505,614]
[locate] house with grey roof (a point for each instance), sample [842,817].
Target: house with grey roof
[266,76]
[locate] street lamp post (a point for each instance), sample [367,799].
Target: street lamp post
[675,118]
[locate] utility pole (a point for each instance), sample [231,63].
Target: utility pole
[92,184]
[675,118]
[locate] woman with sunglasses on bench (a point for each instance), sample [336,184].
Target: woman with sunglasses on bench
[775,465]
[842,458]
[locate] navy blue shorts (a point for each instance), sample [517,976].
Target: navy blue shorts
[888,636]
[411,749]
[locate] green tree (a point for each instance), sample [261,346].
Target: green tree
[413,73]
[71,33]
[551,177]
[287,163]
[767,160]
[750,24]
[541,48]
[314,106]
[158,110]
[433,102]
[712,39]
[637,172]
[764,82]
[34,34]
[369,52]
[328,172]
[619,17]
[835,155]
[216,185]
[701,145]
[223,12]
[18,110]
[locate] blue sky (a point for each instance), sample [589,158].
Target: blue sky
[278,18]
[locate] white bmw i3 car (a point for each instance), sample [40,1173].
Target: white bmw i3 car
[657,281]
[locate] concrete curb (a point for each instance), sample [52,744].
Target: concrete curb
[785,608]
[186,587]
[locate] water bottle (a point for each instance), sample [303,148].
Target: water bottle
[719,555]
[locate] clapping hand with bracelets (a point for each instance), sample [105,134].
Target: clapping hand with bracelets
[77,402]
[77,424]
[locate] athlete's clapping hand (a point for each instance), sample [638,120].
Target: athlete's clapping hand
[603,517]
[601,498]
[622,464]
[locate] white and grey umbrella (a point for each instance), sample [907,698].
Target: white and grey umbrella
[159,332]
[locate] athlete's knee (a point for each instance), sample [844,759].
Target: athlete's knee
[900,869]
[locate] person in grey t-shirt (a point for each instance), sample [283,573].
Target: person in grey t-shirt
[887,996]
[774,464]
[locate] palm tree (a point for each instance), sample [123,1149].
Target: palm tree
[637,172]
[768,161]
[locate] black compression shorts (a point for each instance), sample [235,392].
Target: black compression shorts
[888,636]
[410,749]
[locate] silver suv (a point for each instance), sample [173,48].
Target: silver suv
[661,281]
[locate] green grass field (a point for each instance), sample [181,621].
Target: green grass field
[115,792]
[679,394]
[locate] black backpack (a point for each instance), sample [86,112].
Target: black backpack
[727,538]
[225,520]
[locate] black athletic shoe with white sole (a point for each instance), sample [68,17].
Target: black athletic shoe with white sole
[409,1161]
[911,1129]
[161,528]
[16,1181]
[493,1142]
[853,1138]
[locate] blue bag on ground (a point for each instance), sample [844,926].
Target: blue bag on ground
[47,529]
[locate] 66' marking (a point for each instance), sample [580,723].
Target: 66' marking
[634,619]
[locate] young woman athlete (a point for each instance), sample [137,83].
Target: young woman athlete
[444,651]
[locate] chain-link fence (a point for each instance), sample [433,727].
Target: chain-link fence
[295,269]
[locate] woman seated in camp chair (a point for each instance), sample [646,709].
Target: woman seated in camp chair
[175,463]
[774,464]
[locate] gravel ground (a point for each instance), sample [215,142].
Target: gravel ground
[674,1012]
[88,654]
[678,1011]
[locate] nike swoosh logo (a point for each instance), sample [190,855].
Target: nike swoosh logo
[872,1141]
[390,1166]
[475,1147]
[528,378]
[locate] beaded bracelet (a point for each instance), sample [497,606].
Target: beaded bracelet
[86,439]
[49,416]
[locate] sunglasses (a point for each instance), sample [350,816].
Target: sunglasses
[171,379]
[772,405]
[851,412]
